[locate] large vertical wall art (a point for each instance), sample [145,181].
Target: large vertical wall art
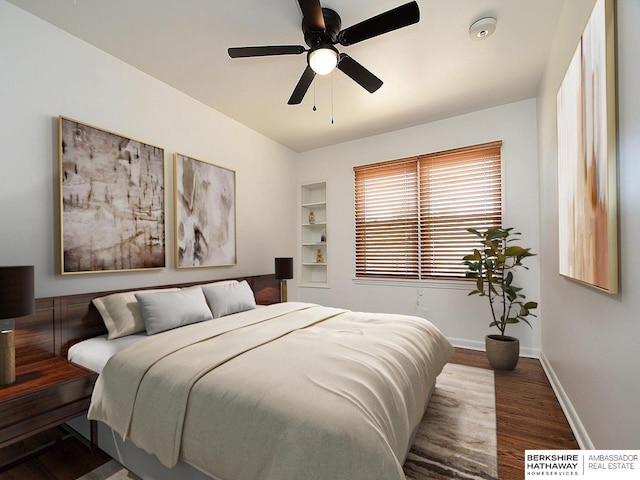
[205,209]
[587,180]
[111,201]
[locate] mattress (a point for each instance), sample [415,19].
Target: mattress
[94,353]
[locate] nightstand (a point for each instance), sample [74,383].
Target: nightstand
[45,394]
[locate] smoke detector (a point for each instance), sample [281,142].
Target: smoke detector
[483,28]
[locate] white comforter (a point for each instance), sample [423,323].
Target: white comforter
[293,391]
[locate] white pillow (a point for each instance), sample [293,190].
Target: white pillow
[121,314]
[231,298]
[166,310]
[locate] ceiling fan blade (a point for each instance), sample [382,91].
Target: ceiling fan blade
[240,52]
[303,85]
[358,73]
[394,19]
[312,16]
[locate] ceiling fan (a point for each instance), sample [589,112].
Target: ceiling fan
[321,29]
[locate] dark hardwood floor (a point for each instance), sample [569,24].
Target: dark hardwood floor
[528,417]
[64,457]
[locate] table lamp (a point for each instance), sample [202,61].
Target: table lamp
[16,300]
[284,271]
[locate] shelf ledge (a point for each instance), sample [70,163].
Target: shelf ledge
[314,285]
[314,204]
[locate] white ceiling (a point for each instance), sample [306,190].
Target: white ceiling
[431,70]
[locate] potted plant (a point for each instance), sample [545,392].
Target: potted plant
[493,266]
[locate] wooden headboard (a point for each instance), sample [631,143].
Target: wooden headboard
[59,322]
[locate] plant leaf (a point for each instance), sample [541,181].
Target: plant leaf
[495,233]
[515,251]
[509,278]
[526,321]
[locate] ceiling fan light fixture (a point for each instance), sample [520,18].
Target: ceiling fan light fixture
[323,59]
[483,28]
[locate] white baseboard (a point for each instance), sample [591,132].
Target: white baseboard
[572,416]
[475,345]
[469,344]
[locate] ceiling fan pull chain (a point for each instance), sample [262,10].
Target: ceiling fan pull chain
[314,96]
[331,98]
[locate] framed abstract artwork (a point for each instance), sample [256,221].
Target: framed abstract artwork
[205,213]
[587,180]
[112,214]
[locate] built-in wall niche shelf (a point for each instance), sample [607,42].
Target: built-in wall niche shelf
[314,255]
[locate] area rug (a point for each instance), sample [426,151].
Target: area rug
[110,471]
[455,440]
[457,436]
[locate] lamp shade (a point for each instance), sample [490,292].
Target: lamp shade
[284,268]
[16,292]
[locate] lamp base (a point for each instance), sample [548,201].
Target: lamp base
[7,358]
[283,290]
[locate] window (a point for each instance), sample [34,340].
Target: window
[412,214]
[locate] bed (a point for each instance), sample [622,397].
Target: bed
[280,392]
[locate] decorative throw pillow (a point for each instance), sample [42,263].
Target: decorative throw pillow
[166,310]
[227,299]
[121,313]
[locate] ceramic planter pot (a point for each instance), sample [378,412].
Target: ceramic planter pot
[502,352]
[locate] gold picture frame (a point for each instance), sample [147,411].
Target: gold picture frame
[587,178]
[205,213]
[112,206]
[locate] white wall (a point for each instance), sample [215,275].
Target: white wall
[591,340]
[464,320]
[44,72]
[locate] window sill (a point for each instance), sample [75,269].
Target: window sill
[437,284]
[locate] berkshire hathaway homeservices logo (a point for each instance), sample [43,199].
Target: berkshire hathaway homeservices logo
[584,464]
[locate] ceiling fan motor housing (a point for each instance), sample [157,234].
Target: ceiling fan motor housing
[332,26]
